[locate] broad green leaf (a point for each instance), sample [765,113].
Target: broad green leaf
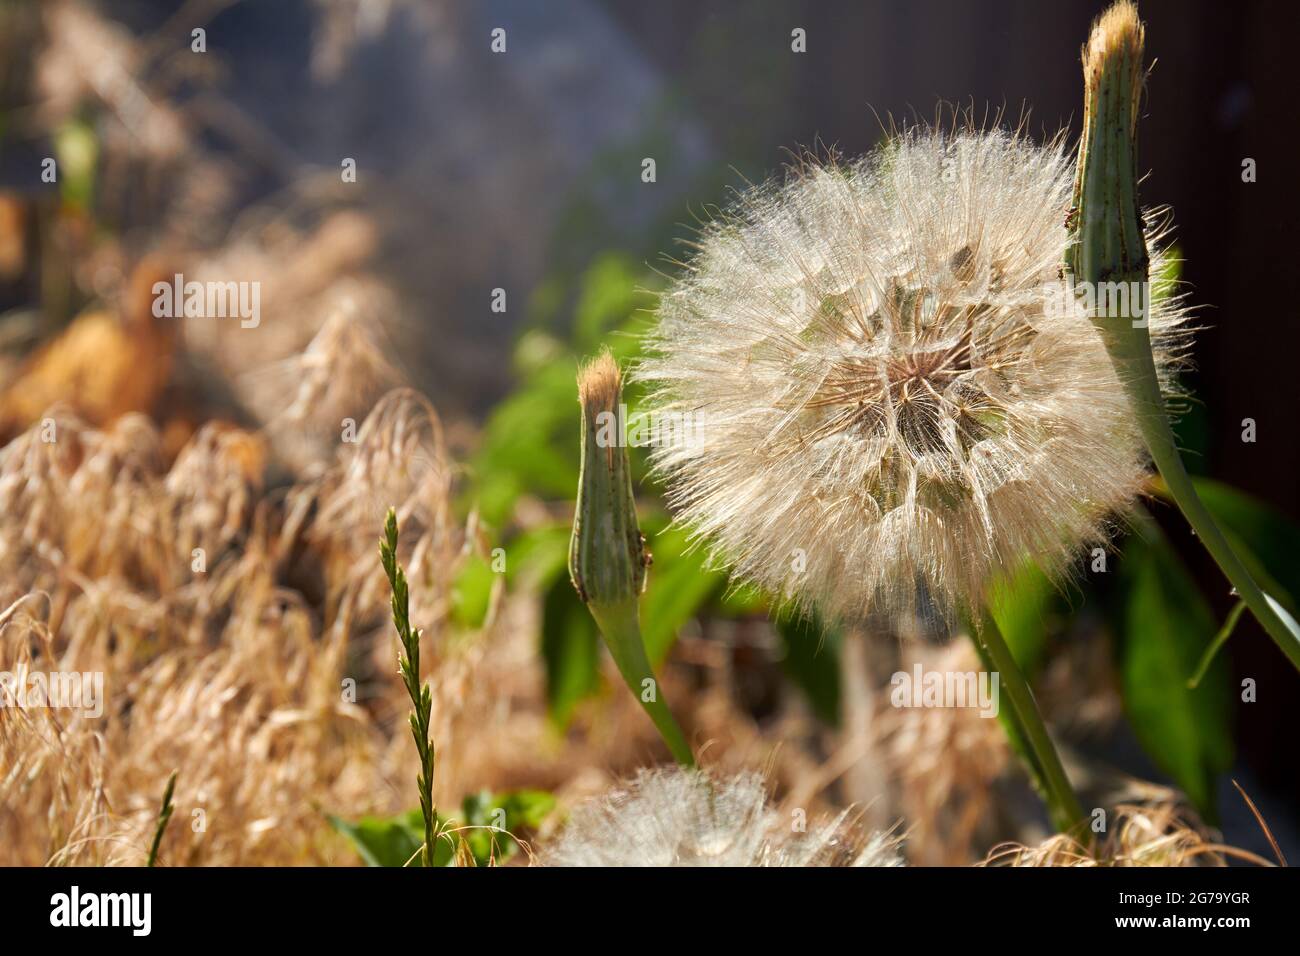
[391,841]
[570,650]
[471,593]
[677,586]
[1168,626]
[1020,603]
[1266,540]
[539,555]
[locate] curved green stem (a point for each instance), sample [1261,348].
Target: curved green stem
[1108,253]
[619,625]
[1066,811]
[607,556]
[1159,437]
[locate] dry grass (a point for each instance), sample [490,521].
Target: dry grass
[1159,834]
[233,675]
[228,674]
[945,764]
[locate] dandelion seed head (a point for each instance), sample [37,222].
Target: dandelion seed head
[677,817]
[899,396]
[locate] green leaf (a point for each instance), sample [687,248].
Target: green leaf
[539,555]
[1265,540]
[471,593]
[570,650]
[677,587]
[486,814]
[1168,626]
[390,841]
[1020,603]
[530,444]
[608,296]
[812,661]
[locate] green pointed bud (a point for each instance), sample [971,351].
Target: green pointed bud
[1110,242]
[607,556]
[1108,251]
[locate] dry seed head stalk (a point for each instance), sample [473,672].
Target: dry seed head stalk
[899,396]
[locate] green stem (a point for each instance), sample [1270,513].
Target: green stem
[1108,251]
[164,817]
[1220,639]
[1159,437]
[408,664]
[607,556]
[1064,807]
[619,624]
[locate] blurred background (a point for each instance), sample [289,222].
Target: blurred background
[501,224]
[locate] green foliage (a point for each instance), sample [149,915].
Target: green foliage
[570,650]
[391,841]
[486,815]
[678,588]
[396,841]
[409,666]
[1022,603]
[1167,626]
[530,441]
[531,447]
[471,592]
[164,817]
[1264,538]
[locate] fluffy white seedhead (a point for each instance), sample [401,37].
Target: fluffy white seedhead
[679,817]
[893,395]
